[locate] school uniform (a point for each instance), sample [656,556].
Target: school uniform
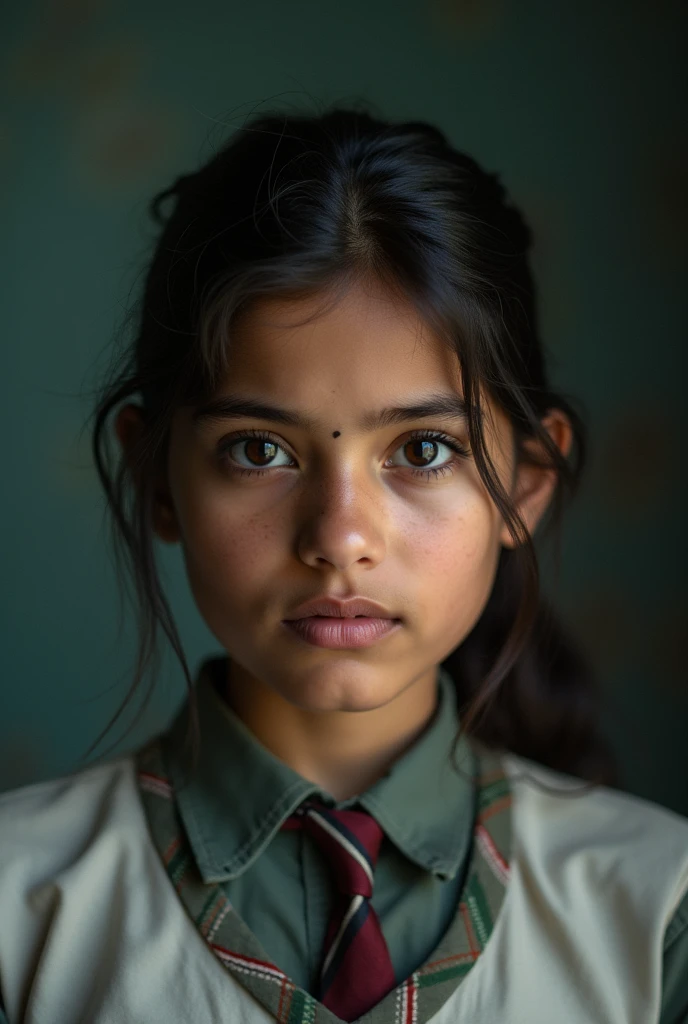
[136,891]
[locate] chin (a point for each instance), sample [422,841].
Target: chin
[325,692]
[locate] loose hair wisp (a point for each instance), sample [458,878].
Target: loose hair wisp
[296,205]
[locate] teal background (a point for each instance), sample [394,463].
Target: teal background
[579,107]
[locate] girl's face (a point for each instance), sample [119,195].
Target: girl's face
[333,507]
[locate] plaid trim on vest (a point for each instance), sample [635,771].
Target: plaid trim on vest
[417,998]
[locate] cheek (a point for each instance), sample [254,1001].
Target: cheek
[453,560]
[224,545]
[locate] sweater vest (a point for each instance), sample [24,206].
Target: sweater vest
[91,930]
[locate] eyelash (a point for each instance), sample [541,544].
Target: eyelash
[418,435]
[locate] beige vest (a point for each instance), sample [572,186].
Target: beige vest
[92,931]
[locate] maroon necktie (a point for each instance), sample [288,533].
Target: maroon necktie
[356,971]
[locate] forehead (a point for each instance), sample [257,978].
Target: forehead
[353,351]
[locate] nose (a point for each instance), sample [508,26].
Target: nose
[341,523]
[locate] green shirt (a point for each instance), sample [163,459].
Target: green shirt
[278,882]
[260,896]
[121,935]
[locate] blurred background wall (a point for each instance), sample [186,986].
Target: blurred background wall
[580,107]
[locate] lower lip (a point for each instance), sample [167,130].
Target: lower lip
[333,632]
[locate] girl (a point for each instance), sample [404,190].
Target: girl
[368,807]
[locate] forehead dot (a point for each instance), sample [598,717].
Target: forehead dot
[336,433]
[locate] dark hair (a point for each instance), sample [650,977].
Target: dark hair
[299,204]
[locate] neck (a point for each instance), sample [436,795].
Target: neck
[343,752]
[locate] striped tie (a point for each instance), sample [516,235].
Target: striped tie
[357,970]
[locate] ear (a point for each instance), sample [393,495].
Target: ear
[533,485]
[130,427]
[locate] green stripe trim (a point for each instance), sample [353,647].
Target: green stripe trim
[302,1010]
[476,901]
[446,974]
[179,865]
[209,904]
[495,791]
[482,898]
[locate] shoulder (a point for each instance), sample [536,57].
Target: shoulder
[597,839]
[66,846]
[93,781]
[560,797]
[57,818]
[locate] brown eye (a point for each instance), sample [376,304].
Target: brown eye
[252,452]
[420,451]
[259,452]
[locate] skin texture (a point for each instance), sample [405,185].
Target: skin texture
[338,512]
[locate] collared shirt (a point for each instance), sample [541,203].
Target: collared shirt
[232,809]
[89,832]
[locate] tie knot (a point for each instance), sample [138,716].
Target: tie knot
[350,841]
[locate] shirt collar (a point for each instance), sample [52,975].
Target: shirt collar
[241,793]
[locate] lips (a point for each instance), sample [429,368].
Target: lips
[334,608]
[327,631]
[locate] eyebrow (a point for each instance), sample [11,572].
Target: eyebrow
[230,407]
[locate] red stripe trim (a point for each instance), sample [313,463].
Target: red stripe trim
[495,808]
[156,783]
[171,850]
[250,962]
[445,962]
[209,920]
[492,852]
[411,995]
[468,925]
[286,996]
[154,777]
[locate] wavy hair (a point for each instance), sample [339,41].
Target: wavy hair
[298,204]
